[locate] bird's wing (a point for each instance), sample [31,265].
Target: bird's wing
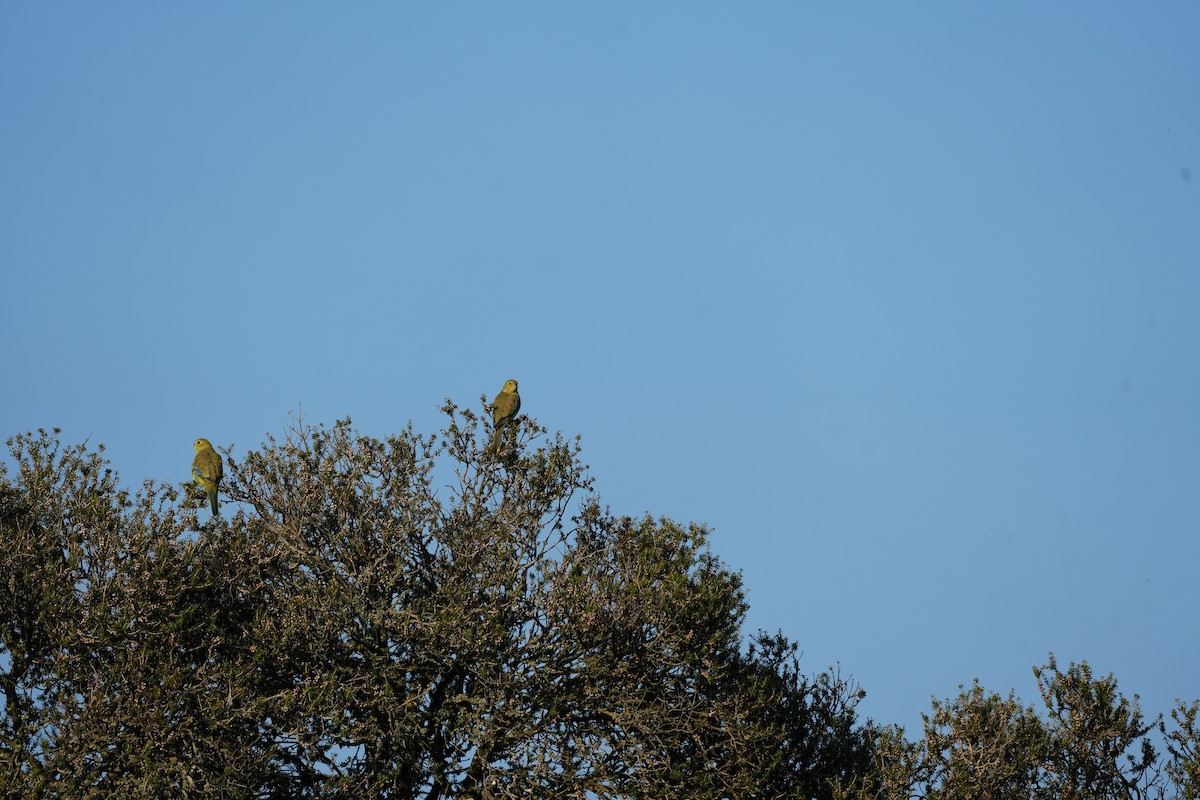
[504,406]
[207,467]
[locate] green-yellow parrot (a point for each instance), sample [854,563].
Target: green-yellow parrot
[504,410]
[207,469]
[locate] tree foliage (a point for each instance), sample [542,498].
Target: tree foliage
[1091,743]
[422,617]
[407,617]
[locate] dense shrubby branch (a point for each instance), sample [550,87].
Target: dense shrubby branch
[421,616]
[414,616]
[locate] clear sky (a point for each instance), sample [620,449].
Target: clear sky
[902,299]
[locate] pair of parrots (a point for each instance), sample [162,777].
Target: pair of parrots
[207,467]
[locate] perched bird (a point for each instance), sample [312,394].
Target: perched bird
[504,410]
[206,469]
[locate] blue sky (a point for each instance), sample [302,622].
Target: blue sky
[901,299]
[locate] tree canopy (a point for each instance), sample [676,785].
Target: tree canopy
[409,617]
[425,616]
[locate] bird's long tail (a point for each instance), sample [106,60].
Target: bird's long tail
[212,500]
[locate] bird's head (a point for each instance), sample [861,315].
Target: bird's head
[202,444]
[510,386]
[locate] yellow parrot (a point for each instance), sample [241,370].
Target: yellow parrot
[207,469]
[504,410]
